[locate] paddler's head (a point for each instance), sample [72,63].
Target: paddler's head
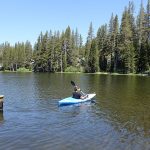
[76,89]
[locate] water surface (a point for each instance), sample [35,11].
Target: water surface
[120,118]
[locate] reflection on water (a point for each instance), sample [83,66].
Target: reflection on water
[126,103]
[1,116]
[120,118]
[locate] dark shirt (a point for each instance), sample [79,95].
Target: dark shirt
[76,95]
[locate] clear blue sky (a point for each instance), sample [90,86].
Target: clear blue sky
[22,20]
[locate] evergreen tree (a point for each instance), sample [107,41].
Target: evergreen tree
[141,48]
[67,46]
[93,58]
[102,46]
[127,44]
[63,52]
[28,54]
[110,45]
[147,30]
[116,41]
[37,54]
[88,46]
[81,52]
[77,40]
[1,54]
[75,50]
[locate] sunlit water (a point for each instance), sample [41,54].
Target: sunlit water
[118,120]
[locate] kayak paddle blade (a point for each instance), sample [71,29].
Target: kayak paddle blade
[73,83]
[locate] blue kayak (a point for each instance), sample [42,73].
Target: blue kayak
[70,100]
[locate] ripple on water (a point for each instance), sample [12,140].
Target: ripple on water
[119,119]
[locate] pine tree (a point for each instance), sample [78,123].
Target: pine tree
[21,54]
[1,55]
[102,46]
[142,64]
[63,52]
[116,41]
[127,44]
[40,54]
[28,54]
[148,33]
[74,47]
[67,46]
[110,45]
[6,55]
[76,36]
[58,50]
[50,50]
[81,49]
[93,58]
[88,46]
[132,52]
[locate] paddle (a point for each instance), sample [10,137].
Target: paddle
[73,83]
[76,85]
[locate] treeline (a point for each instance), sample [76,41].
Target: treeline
[55,52]
[14,57]
[123,48]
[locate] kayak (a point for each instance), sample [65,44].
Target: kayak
[71,100]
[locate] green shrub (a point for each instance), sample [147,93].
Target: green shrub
[72,69]
[23,70]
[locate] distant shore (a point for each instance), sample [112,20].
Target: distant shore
[100,73]
[18,70]
[107,73]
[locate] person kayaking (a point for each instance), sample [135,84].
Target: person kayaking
[77,93]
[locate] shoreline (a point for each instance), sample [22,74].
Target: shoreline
[7,71]
[96,73]
[106,73]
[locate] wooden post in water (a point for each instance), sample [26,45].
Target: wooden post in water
[1,102]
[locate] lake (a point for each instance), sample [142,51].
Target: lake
[119,117]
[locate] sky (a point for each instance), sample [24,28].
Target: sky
[22,20]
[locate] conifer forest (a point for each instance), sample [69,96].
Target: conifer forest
[121,46]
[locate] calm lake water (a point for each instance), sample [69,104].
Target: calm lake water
[118,120]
